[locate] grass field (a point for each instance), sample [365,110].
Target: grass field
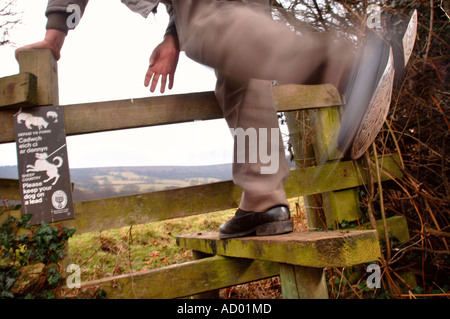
[148,246]
[138,247]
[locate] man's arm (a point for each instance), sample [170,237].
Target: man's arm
[59,11]
[53,41]
[163,61]
[57,27]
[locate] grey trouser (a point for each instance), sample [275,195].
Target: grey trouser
[248,50]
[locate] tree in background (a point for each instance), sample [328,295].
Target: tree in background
[8,19]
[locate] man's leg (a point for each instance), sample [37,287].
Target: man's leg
[260,167]
[251,115]
[242,42]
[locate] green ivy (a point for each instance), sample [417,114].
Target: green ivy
[20,245]
[7,280]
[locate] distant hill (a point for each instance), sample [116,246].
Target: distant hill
[104,182]
[8,172]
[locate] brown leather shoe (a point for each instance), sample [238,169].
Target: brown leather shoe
[274,221]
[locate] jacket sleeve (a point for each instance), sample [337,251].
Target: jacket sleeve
[171,28]
[57,13]
[145,7]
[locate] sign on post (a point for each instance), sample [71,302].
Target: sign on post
[44,176]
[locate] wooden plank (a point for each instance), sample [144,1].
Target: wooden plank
[9,189]
[144,208]
[158,110]
[213,294]
[291,97]
[18,91]
[169,109]
[308,249]
[149,207]
[335,176]
[177,281]
[299,282]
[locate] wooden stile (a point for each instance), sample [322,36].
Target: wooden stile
[299,258]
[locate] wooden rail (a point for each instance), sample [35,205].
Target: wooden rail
[143,208]
[18,90]
[169,109]
[185,279]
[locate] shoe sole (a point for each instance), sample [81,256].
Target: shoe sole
[357,142]
[269,229]
[379,106]
[368,72]
[376,113]
[409,39]
[275,228]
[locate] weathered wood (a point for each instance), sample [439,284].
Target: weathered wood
[338,205]
[300,138]
[308,249]
[290,97]
[397,226]
[326,123]
[299,282]
[144,208]
[335,176]
[149,207]
[168,109]
[213,294]
[9,189]
[18,90]
[41,64]
[29,280]
[341,206]
[177,281]
[158,110]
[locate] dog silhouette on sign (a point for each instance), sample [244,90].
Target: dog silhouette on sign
[43,165]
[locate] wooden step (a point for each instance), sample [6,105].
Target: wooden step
[308,249]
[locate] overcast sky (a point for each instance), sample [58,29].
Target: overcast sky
[106,58]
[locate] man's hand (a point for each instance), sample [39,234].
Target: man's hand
[53,41]
[163,63]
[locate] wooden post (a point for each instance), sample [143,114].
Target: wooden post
[41,64]
[299,282]
[300,138]
[338,205]
[213,294]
